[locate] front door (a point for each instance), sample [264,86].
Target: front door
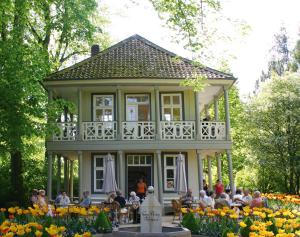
[138,166]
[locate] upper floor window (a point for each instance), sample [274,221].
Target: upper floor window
[171,106]
[103,107]
[138,107]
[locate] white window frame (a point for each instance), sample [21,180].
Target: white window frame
[139,163]
[103,107]
[135,104]
[173,167]
[171,105]
[98,168]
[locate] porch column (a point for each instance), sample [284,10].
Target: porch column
[121,173]
[159,177]
[216,109]
[219,166]
[66,175]
[119,114]
[209,173]
[71,179]
[80,173]
[200,169]
[49,181]
[227,115]
[58,173]
[232,188]
[79,117]
[198,117]
[157,114]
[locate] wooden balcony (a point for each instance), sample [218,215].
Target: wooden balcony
[140,131]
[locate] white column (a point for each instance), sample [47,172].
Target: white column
[58,173]
[227,115]
[157,114]
[121,171]
[49,181]
[198,117]
[159,177]
[66,175]
[209,173]
[216,109]
[79,116]
[71,179]
[219,166]
[232,188]
[200,169]
[119,113]
[80,173]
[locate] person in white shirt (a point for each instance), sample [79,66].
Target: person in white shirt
[209,200]
[247,199]
[65,200]
[135,201]
[238,197]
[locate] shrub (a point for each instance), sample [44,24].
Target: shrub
[102,223]
[189,221]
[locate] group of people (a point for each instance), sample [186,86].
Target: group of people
[220,198]
[38,197]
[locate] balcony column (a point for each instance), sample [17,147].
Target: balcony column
[219,166]
[200,170]
[198,117]
[157,114]
[227,115]
[58,173]
[119,113]
[159,177]
[71,179]
[121,171]
[216,109]
[49,174]
[80,173]
[231,181]
[66,175]
[209,173]
[80,131]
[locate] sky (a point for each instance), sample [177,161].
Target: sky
[249,53]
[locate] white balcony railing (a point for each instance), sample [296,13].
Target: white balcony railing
[99,130]
[177,130]
[213,130]
[140,130]
[66,131]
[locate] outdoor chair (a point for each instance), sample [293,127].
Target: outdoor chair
[176,206]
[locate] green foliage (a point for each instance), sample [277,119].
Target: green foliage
[245,231]
[273,134]
[198,82]
[102,223]
[189,221]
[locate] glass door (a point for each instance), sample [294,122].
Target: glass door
[171,107]
[137,107]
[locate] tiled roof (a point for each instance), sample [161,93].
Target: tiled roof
[135,57]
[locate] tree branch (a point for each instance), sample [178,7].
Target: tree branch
[72,54]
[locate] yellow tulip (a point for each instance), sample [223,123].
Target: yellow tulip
[38,233]
[242,224]
[9,234]
[20,232]
[87,234]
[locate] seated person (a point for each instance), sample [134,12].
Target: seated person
[58,198]
[65,200]
[247,197]
[135,201]
[209,200]
[188,198]
[227,194]
[221,201]
[41,199]
[110,198]
[120,199]
[257,200]
[86,201]
[238,197]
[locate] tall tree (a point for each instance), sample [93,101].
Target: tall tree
[35,37]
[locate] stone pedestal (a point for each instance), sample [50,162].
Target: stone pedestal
[151,212]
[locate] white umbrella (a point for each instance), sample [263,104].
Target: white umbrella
[180,176]
[109,182]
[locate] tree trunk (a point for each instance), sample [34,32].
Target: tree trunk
[17,182]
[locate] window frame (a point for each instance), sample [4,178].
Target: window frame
[127,104]
[94,107]
[171,106]
[165,167]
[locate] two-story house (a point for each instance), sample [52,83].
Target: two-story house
[130,104]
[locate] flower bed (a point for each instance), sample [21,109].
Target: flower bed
[67,222]
[257,222]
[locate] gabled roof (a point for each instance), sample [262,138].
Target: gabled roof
[136,57]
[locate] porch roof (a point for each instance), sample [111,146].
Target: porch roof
[136,57]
